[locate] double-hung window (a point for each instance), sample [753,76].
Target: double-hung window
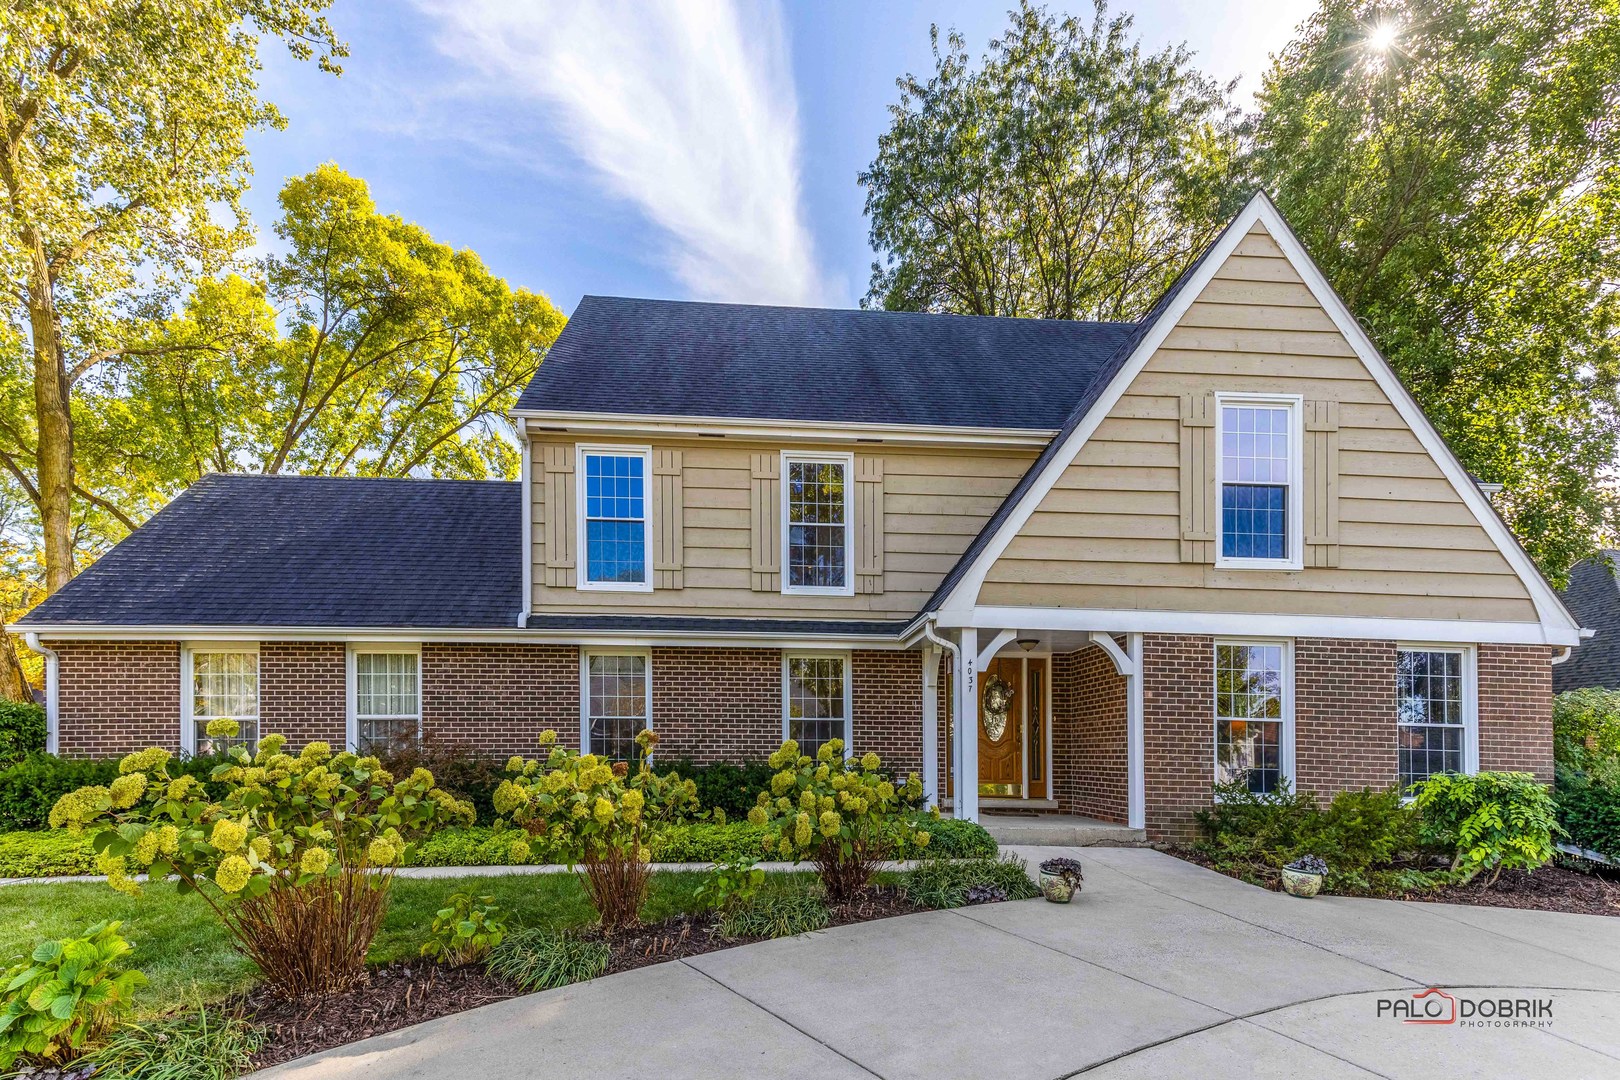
[222,684]
[616,693]
[816,700]
[816,532]
[1251,714]
[614,541]
[1432,713]
[387,704]
[1259,476]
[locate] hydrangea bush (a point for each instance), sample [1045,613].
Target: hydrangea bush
[296,859]
[843,814]
[595,814]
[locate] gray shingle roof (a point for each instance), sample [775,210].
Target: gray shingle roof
[310,551]
[1593,597]
[675,358]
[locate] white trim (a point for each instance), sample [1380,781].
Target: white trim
[1470,690]
[997,643]
[526,484]
[965,792]
[847,460]
[930,723]
[647,425]
[1557,625]
[1135,726]
[1123,663]
[849,685]
[53,686]
[582,560]
[188,723]
[81,632]
[1295,404]
[1126,620]
[1285,755]
[585,654]
[351,684]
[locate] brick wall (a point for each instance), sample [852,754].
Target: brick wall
[117,696]
[1178,737]
[887,697]
[301,688]
[717,704]
[1344,714]
[1089,767]
[1515,709]
[500,696]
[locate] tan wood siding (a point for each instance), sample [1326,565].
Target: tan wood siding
[558,465]
[668,520]
[1386,534]
[932,501]
[765,521]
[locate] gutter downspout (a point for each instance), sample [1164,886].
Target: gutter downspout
[941,643]
[527,495]
[52,742]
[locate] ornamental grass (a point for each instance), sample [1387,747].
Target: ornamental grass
[596,815]
[296,859]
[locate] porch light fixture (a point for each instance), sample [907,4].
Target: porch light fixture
[1028,643]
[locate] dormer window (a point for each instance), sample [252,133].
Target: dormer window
[1260,476]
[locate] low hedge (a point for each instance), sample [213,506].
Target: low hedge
[22,731]
[1589,808]
[45,854]
[949,838]
[486,846]
[31,787]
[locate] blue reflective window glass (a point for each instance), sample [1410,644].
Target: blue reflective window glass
[1255,474]
[615,519]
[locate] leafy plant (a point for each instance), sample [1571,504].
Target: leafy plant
[465,930]
[1067,869]
[67,993]
[1491,821]
[31,787]
[296,859]
[983,894]
[840,813]
[597,814]
[1586,727]
[1588,805]
[774,915]
[943,883]
[701,841]
[200,1044]
[538,959]
[22,731]
[730,883]
[1308,864]
[724,786]
[953,838]
[45,854]
[468,773]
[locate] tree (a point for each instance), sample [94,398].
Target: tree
[122,126]
[368,348]
[1454,166]
[1070,176]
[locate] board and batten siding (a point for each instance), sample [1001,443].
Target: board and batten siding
[1110,534]
[933,502]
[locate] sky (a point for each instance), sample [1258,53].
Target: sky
[682,149]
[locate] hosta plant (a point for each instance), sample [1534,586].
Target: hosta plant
[65,994]
[464,930]
[842,814]
[597,815]
[296,858]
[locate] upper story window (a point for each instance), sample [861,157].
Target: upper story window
[1252,714]
[387,699]
[816,532]
[1432,707]
[614,540]
[223,685]
[1259,477]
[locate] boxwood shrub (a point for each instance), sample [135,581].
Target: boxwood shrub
[487,846]
[22,731]
[1589,808]
[31,787]
[953,839]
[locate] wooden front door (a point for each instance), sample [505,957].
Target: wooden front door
[1001,716]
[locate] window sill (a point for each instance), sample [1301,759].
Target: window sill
[807,590]
[614,586]
[1275,565]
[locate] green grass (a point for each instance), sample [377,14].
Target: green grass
[185,954]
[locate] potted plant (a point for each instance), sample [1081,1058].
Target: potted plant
[1303,877]
[1060,879]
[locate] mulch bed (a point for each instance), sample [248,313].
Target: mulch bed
[1551,888]
[399,995]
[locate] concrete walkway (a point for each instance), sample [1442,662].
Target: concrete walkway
[1158,969]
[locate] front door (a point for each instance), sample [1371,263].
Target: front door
[1001,736]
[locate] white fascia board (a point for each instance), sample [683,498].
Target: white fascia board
[407,635]
[1557,626]
[1243,624]
[776,430]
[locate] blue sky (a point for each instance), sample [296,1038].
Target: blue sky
[703,150]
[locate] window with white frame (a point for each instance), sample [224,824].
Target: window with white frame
[1250,714]
[1430,712]
[224,686]
[387,699]
[815,700]
[614,538]
[816,506]
[1259,480]
[618,703]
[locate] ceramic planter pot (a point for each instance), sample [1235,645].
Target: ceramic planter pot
[1058,888]
[1298,883]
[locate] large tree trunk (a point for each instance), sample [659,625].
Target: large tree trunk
[54,416]
[14,685]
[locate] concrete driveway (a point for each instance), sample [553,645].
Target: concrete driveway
[1159,968]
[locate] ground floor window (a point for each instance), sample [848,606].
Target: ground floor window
[815,700]
[387,699]
[617,696]
[1430,712]
[1250,712]
[224,685]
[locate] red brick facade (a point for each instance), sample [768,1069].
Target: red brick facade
[1178,737]
[1344,714]
[1088,735]
[301,691]
[1515,709]
[717,704]
[117,696]
[500,697]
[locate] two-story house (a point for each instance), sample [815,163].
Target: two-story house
[1084,567]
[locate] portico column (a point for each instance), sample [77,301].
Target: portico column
[967,726]
[930,724]
[1136,778]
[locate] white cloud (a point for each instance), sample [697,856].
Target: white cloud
[685,108]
